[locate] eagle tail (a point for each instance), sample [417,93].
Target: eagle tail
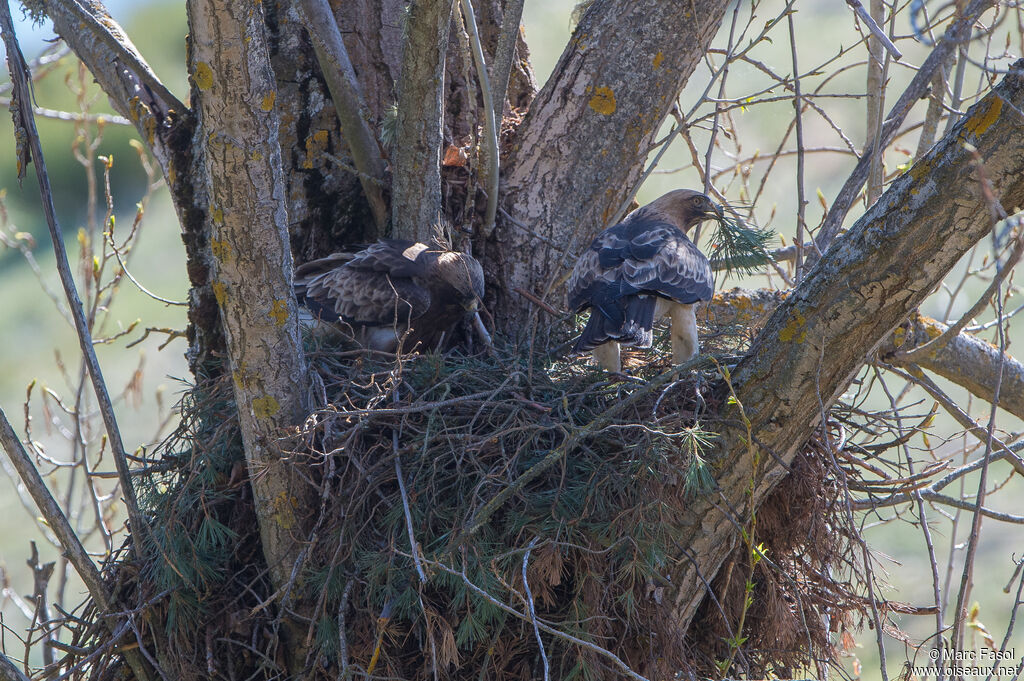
[636,327]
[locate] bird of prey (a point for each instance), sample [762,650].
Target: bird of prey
[640,270]
[392,291]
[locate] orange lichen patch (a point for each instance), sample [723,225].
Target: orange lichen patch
[983,120]
[920,169]
[284,509]
[218,216]
[279,312]
[268,101]
[255,156]
[315,144]
[265,407]
[220,292]
[899,336]
[203,76]
[794,329]
[603,101]
[220,249]
[658,58]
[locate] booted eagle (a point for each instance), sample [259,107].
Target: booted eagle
[640,270]
[390,289]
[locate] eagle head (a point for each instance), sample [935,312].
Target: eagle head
[465,276]
[686,208]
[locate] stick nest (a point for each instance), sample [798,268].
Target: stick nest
[505,462]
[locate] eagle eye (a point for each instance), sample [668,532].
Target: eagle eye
[697,200]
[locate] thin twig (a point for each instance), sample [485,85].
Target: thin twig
[875,29]
[542,625]
[349,103]
[917,87]
[491,118]
[25,122]
[48,507]
[413,548]
[533,611]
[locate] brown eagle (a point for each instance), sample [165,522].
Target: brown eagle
[391,290]
[640,270]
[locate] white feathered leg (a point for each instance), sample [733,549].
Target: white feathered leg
[684,332]
[607,356]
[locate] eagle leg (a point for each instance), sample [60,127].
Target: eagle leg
[607,356]
[684,332]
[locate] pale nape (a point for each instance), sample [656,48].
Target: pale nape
[683,334]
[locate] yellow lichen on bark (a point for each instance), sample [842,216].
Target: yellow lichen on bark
[265,407]
[983,120]
[279,312]
[203,76]
[794,330]
[603,101]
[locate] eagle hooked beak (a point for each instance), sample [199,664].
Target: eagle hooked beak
[471,305]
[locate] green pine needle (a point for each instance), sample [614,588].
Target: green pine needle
[739,247]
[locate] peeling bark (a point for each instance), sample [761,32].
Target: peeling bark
[866,284]
[583,143]
[251,264]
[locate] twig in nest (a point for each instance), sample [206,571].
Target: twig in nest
[533,611]
[539,303]
[405,499]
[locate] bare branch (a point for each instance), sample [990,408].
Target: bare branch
[25,124]
[49,508]
[915,90]
[349,103]
[491,117]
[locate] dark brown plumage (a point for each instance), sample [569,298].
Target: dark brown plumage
[393,289]
[640,270]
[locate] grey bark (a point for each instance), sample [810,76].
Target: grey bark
[238,124]
[581,147]
[416,156]
[867,284]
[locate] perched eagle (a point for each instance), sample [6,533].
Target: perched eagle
[390,289]
[640,270]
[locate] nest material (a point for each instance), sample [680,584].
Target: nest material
[594,477]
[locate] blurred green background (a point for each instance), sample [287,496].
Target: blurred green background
[35,339]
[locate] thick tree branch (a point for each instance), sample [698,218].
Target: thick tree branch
[134,90]
[814,343]
[252,266]
[416,167]
[965,359]
[349,103]
[582,146]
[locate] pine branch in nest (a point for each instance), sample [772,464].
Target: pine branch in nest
[739,247]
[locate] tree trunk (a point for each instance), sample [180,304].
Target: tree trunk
[237,135]
[581,148]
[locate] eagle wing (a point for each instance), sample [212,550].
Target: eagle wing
[640,256]
[374,287]
[627,267]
